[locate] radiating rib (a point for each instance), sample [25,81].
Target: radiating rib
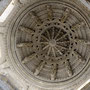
[49,50]
[83,41]
[79,56]
[24,44]
[53,52]
[45,43]
[27,30]
[49,11]
[54,72]
[69,69]
[61,47]
[39,68]
[44,37]
[62,37]
[78,25]
[63,42]
[46,47]
[33,14]
[53,33]
[27,59]
[59,51]
[48,34]
[65,15]
[57,34]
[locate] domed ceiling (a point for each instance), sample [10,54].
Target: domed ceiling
[48,42]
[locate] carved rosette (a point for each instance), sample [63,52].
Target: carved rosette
[49,42]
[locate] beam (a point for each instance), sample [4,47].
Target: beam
[27,59]
[54,72]
[35,17]
[63,36]
[61,47]
[49,11]
[78,25]
[24,45]
[59,51]
[65,15]
[79,56]
[69,69]
[45,38]
[83,41]
[27,30]
[47,46]
[39,68]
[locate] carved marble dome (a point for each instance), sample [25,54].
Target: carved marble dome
[48,43]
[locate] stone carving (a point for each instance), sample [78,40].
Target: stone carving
[52,41]
[24,44]
[65,15]
[82,59]
[27,30]
[68,67]
[39,68]
[78,25]
[29,58]
[49,12]
[54,72]
[62,36]
[35,17]
[83,41]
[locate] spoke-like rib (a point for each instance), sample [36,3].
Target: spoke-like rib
[44,37]
[33,14]
[27,59]
[69,69]
[83,41]
[65,15]
[49,11]
[53,52]
[79,56]
[53,32]
[49,51]
[39,68]
[27,30]
[54,72]
[59,51]
[63,42]
[24,44]
[61,47]
[46,47]
[79,25]
[62,37]
[45,43]
[48,34]
[57,34]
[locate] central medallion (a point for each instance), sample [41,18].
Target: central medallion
[52,43]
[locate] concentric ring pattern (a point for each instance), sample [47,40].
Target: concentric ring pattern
[50,41]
